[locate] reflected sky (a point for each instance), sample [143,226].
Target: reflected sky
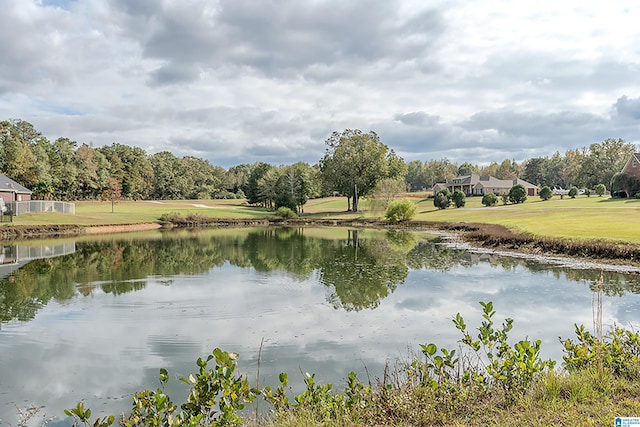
[103,346]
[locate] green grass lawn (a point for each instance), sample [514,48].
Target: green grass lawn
[579,218]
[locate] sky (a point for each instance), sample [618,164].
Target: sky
[240,81]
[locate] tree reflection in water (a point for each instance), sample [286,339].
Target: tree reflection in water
[359,267]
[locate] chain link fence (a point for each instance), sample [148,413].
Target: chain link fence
[35,206]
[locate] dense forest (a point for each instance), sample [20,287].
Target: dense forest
[67,170]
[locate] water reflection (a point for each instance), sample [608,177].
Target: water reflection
[99,323]
[360,269]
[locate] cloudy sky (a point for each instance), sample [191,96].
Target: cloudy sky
[239,81]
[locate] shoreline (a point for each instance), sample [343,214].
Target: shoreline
[475,237]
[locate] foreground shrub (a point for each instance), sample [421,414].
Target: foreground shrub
[618,352]
[490,360]
[600,189]
[215,397]
[401,210]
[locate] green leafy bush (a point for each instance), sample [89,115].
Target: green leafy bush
[285,212]
[546,193]
[489,199]
[518,194]
[215,398]
[573,191]
[617,352]
[458,198]
[489,361]
[600,189]
[442,199]
[401,210]
[171,217]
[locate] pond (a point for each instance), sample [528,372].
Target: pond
[94,319]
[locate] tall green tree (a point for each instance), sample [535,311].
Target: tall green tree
[508,169]
[442,170]
[270,187]
[354,163]
[18,158]
[467,169]
[206,180]
[132,167]
[299,183]
[171,179]
[416,177]
[535,170]
[258,170]
[64,169]
[605,160]
[238,177]
[92,172]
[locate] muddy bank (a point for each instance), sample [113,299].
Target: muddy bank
[24,232]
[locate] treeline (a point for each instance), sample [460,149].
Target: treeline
[66,170]
[583,168]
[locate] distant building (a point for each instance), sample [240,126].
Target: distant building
[476,185]
[11,191]
[632,167]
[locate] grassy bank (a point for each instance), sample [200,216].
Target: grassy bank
[581,219]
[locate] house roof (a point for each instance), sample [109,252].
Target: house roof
[488,181]
[8,185]
[634,156]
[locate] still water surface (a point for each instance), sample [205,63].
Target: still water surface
[95,319]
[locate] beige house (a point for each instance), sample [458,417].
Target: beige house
[476,185]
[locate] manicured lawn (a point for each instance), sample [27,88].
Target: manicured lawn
[579,218]
[582,217]
[129,212]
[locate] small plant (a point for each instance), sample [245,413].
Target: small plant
[318,400]
[174,217]
[511,367]
[401,210]
[573,191]
[82,416]
[546,193]
[600,189]
[458,198]
[216,396]
[489,199]
[618,352]
[505,199]
[491,360]
[285,212]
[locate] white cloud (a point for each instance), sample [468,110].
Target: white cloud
[155,73]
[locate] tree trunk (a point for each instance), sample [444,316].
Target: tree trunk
[355,198]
